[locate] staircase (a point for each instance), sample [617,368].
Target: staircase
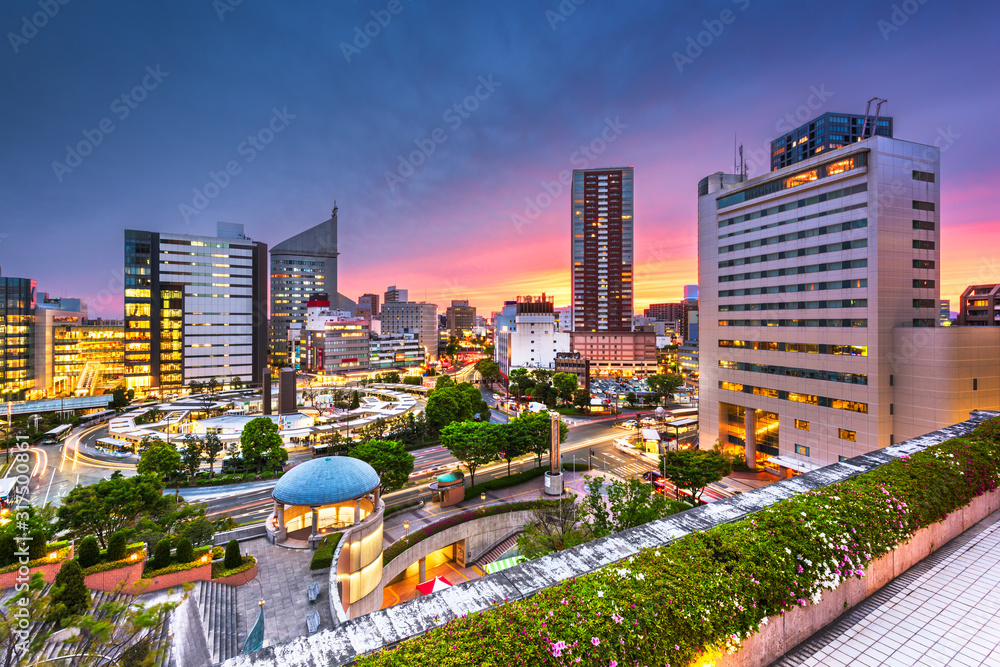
[497,551]
[89,377]
[219,616]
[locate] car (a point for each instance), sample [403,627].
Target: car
[651,476]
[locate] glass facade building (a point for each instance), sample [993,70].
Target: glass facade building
[824,133]
[17,329]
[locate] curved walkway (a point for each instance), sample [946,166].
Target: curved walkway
[945,610]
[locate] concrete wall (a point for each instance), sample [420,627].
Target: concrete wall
[341,570]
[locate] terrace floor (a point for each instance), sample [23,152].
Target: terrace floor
[945,610]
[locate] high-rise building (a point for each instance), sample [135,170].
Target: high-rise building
[979,306]
[945,315]
[346,346]
[57,363]
[601,210]
[618,353]
[17,352]
[821,281]
[367,306]
[394,294]
[534,340]
[460,317]
[195,307]
[301,267]
[411,317]
[664,312]
[825,133]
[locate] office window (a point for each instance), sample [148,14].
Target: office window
[924,303]
[841,458]
[923,263]
[925,176]
[802,424]
[923,224]
[924,322]
[923,245]
[923,205]
[892,407]
[975,384]
[848,435]
[923,284]
[801,450]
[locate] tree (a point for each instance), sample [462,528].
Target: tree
[456,403]
[489,369]
[212,385]
[694,469]
[443,381]
[389,458]
[663,385]
[185,551]
[628,504]
[355,400]
[553,529]
[69,596]
[532,433]
[473,443]
[541,374]
[236,382]
[515,389]
[212,446]
[117,546]
[161,555]
[119,398]
[199,530]
[565,384]
[489,350]
[581,399]
[109,506]
[160,459]
[195,387]
[260,437]
[631,399]
[193,449]
[509,448]
[233,558]
[523,378]
[414,380]
[89,553]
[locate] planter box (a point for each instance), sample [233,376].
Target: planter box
[48,572]
[240,578]
[784,632]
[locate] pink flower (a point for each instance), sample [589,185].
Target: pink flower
[595,641]
[612,664]
[617,619]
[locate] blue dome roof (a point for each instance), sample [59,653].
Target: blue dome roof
[325,481]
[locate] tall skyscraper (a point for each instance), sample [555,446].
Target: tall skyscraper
[301,266]
[460,317]
[601,210]
[195,307]
[820,304]
[17,353]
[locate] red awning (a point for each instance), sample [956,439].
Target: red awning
[434,585]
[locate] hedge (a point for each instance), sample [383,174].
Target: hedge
[179,567]
[62,553]
[506,482]
[137,548]
[688,601]
[402,545]
[219,569]
[323,556]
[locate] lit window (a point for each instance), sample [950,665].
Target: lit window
[848,435]
[802,424]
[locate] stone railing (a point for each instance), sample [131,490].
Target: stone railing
[345,643]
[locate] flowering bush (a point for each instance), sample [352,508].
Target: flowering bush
[402,545]
[709,591]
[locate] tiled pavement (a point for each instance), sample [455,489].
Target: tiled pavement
[943,611]
[283,574]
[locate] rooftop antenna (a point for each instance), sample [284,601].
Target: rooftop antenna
[869,121]
[334,208]
[743,166]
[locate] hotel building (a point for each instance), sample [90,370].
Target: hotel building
[195,308]
[819,304]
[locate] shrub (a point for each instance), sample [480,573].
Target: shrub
[89,552]
[69,596]
[7,548]
[323,556]
[505,482]
[220,569]
[37,545]
[184,552]
[233,557]
[117,546]
[161,555]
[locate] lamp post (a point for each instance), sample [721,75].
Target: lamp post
[406,528]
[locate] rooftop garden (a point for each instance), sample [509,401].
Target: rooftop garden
[702,595]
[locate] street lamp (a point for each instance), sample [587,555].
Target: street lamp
[482,496]
[406,528]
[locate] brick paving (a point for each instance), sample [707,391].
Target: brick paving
[943,611]
[283,574]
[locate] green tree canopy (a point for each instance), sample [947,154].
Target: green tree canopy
[628,504]
[489,369]
[663,385]
[109,505]
[389,458]
[212,446]
[473,443]
[456,403]
[553,529]
[160,459]
[194,449]
[69,596]
[443,381]
[565,384]
[530,432]
[694,469]
[581,399]
[259,438]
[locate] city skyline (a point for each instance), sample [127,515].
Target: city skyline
[521,122]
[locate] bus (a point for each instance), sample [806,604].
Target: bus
[114,447]
[97,417]
[58,434]
[8,487]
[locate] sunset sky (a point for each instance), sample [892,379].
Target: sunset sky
[673,85]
